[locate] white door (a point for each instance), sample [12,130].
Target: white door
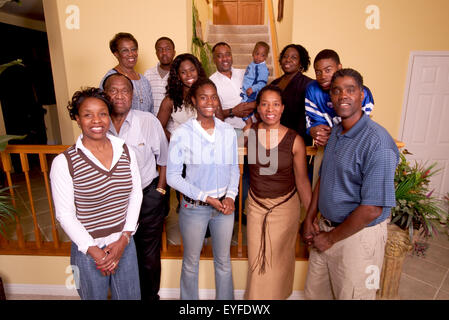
[425,117]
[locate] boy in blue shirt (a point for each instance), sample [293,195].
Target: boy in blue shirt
[320,114]
[256,76]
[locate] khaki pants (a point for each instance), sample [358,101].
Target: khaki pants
[350,269]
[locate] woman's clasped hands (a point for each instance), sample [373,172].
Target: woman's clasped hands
[226,206]
[107,259]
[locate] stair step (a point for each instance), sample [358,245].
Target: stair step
[238,38]
[233,29]
[242,39]
[243,66]
[242,48]
[246,58]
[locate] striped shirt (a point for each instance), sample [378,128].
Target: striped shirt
[158,85]
[101,198]
[63,192]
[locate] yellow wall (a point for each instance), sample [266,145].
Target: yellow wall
[381,56]
[82,56]
[284,28]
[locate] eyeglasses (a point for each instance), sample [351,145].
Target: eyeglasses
[126,51]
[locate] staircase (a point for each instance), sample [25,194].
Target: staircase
[242,39]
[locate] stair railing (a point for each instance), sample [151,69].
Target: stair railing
[274,40]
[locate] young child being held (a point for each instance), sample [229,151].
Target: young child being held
[256,76]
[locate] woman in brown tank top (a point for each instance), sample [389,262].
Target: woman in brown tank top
[278,185]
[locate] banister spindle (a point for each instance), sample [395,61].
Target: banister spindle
[26,170]
[7,167]
[44,169]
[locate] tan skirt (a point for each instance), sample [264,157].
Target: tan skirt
[282,228]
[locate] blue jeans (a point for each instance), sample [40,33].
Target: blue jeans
[92,285]
[193,222]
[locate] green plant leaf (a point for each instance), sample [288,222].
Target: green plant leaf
[415,206]
[5,66]
[4,139]
[7,211]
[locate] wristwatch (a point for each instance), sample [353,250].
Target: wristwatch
[231,115]
[162,191]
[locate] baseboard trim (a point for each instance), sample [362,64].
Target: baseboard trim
[40,289]
[164,293]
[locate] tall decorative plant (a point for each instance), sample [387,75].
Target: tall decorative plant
[416,208]
[200,48]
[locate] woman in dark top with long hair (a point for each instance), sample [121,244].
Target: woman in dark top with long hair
[294,60]
[185,70]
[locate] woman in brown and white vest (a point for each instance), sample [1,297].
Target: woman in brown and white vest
[97,196]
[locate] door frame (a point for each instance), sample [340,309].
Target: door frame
[413,55]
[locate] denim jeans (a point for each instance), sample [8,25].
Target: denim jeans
[92,285]
[193,221]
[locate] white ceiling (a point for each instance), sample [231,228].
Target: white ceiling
[31,9]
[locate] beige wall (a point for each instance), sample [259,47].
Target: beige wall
[205,13]
[381,56]
[284,28]
[81,57]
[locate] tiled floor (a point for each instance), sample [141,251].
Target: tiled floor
[423,277]
[427,277]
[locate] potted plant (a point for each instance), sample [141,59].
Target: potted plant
[445,216]
[416,210]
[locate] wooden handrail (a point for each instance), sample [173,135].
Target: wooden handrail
[42,246]
[57,247]
[274,39]
[23,151]
[35,148]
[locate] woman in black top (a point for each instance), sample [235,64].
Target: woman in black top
[294,60]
